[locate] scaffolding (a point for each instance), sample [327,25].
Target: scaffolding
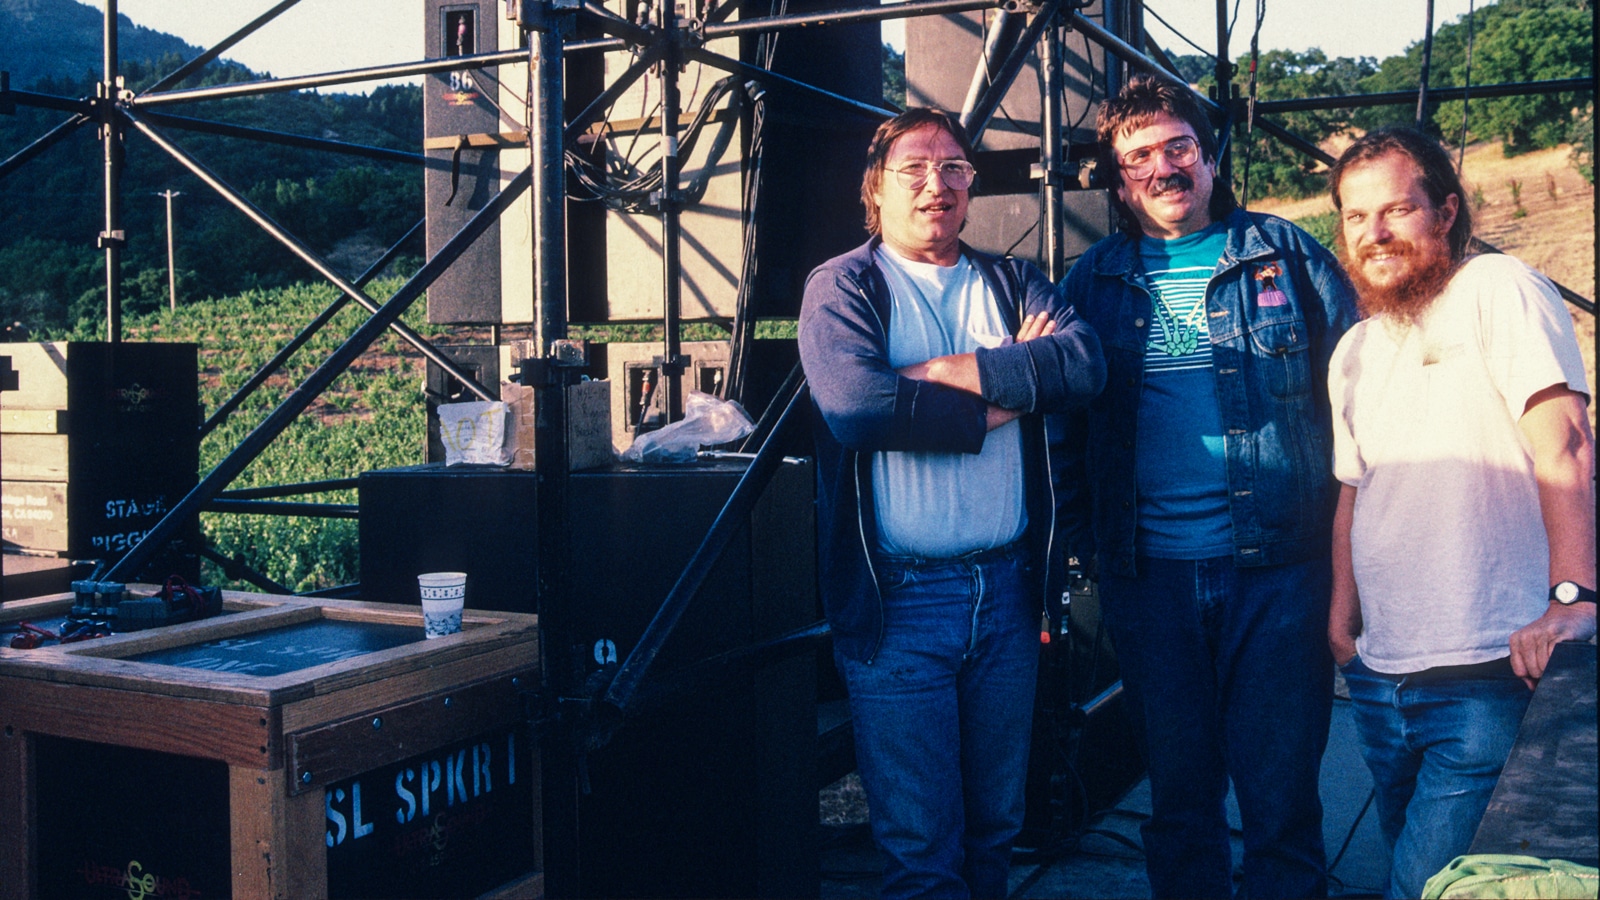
[1016,31]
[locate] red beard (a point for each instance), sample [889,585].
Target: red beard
[1409,295]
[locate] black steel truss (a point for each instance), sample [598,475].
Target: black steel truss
[669,42]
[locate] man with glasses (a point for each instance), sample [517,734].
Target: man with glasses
[1205,497]
[929,363]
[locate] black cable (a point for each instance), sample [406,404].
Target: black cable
[1250,102]
[1349,836]
[498,86]
[1016,243]
[1089,99]
[634,193]
[1181,36]
[1466,103]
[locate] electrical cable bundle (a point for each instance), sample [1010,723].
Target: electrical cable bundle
[640,192]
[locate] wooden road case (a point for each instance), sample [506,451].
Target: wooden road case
[288,748]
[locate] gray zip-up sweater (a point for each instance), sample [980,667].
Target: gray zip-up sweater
[861,406]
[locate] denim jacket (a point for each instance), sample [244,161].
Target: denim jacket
[1270,358]
[861,406]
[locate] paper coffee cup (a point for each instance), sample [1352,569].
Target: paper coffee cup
[443,595]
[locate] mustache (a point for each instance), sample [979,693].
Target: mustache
[1177,180]
[1394,247]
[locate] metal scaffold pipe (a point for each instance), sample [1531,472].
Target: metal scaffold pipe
[111,238]
[1050,139]
[127,568]
[306,255]
[671,226]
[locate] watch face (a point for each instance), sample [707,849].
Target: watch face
[1567,592]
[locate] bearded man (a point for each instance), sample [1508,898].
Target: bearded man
[1464,537]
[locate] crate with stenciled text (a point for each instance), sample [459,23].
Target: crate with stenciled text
[96,444]
[286,748]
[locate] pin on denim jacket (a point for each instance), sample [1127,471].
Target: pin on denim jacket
[1277,306]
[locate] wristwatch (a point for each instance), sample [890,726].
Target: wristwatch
[1569,592]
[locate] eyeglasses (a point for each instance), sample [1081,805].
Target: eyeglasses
[955,174]
[1181,153]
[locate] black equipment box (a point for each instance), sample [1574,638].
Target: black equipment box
[712,794]
[100,441]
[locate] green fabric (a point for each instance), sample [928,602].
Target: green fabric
[1490,875]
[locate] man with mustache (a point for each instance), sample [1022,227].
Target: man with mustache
[929,363]
[1206,498]
[1464,539]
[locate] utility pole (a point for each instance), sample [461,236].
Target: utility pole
[172,268]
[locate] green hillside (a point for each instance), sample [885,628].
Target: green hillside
[346,208]
[61,39]
[372,417]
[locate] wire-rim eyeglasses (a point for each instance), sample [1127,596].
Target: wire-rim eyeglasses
[955,174]
[1181,153]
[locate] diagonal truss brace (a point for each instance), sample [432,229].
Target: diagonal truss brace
[335,365]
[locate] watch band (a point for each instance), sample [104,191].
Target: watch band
[1568,593]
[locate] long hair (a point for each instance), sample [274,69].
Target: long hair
[1439,176]
[1139,104]
[883,141]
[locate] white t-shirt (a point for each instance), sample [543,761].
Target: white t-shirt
[1448,541]
[940,505]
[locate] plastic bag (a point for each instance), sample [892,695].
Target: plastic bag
[706,421]
[474,433]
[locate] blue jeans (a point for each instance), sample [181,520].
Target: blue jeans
[1227,669]
[1435,742]
[942,716]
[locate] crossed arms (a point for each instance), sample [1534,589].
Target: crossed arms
[948,403]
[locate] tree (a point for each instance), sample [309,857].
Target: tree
[894,77]
[1274,168]
[1535,45]
[1193,67]
[1583,142]
[1512,40]
[52,206]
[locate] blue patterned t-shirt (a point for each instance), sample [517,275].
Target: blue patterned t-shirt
[1181,466]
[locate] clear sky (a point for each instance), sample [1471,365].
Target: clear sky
[326,35]
[1378,28]
[312,36]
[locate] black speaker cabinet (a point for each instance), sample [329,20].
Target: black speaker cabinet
[711,793]
[460,180]
[99,441]
[943,52]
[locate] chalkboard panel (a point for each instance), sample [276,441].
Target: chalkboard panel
[287,649]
